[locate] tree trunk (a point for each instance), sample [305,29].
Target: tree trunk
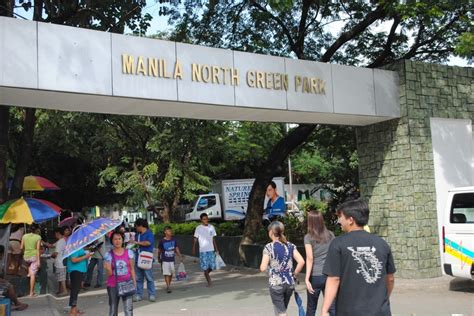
[4,125]
[166,212]
[26,147]
[6,7]
[271,168]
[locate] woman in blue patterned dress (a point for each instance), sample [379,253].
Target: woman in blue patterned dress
[279,255]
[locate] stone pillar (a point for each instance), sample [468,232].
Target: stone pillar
[396,168]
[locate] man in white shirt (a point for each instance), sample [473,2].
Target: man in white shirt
[204,234]
[58,262]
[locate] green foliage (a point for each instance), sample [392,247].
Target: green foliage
[222,229]
[178,228]
[314,205]
[465,46]
[229,229]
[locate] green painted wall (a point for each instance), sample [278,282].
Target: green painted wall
[396,163]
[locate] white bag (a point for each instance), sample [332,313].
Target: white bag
[181,275]
[145,260]
[219,262]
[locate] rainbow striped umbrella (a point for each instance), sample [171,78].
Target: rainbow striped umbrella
[35,183]
[28,211]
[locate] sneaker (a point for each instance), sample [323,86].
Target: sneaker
[152,298]
[137,298]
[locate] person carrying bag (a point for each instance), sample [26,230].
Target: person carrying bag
[121,281]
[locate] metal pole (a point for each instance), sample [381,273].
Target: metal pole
[290,178]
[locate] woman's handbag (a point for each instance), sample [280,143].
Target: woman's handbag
[124,288]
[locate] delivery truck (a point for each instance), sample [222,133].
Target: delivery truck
[228,200]
[458,233]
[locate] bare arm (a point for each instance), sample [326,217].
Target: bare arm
[215,244]
[132,272]
[178,252]
[79,259]
[309,267]
[194,246]
[22,245]
[299,260]
[108,268]
[390,278]
[159,253]
[332,286]
[144,243]
[38,247]
[264,263]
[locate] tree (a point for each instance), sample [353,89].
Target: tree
[424,30]
[176,160]
[109,15]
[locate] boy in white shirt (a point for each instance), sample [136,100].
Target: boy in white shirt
[204,234]
[58,262]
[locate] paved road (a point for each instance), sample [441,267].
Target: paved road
[240,291]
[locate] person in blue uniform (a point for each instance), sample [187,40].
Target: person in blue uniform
[276,204]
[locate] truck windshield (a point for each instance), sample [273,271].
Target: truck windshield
[462,208]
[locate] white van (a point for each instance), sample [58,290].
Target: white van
[458,233]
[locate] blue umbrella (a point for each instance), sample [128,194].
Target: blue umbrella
[299,302]
[88,233]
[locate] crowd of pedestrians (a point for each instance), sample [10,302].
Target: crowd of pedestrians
[354,272]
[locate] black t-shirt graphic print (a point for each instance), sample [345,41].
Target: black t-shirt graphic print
[361,261]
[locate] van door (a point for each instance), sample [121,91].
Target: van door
[459,235]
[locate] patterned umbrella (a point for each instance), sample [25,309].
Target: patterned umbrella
[28,211]
[88,233]
[35,183]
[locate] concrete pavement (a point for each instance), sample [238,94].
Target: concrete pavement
[241,291]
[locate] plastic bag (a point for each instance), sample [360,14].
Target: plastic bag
[219,262]
[181,273]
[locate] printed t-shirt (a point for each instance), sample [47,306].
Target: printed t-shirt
[168,248]
[204,235]
[361,261]
[123,266]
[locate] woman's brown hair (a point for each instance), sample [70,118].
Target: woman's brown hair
[317,229]
[278,230]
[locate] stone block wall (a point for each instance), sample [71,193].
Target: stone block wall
[396,168]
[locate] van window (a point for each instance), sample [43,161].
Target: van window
[462,208]
[206,202]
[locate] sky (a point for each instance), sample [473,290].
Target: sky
[160,23]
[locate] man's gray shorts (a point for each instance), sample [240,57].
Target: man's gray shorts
[281,295]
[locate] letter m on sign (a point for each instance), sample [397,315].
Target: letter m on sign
[128,64]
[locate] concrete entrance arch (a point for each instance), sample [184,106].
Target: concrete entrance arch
[64,68]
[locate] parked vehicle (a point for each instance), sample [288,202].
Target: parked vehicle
[458,233]
[228,201]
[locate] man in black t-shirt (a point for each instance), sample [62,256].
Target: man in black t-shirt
[359,267]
